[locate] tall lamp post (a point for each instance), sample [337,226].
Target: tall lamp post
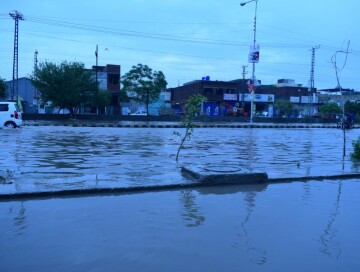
[97,83]
[254,58]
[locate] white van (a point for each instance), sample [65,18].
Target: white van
[10,115]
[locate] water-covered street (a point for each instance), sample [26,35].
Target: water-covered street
[55,158]
[299,226]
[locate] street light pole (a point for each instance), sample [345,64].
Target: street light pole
[97,84]
[253,62]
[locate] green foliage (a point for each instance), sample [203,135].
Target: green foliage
[66,85]
[356,145]
[193,108]
[144,84]
[123,97]
[163,110]
[101,99]
[3,88]
[283,107]
[330,107]
[352,107]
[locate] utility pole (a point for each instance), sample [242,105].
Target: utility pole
[253,58]
[36,97]
[16,16]
[244,72]
[35,59]
[312,81]
[97,84]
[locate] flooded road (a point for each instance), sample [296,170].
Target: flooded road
[55,158]
[310,226]
[298,226]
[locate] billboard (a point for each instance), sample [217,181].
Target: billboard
[259,98]
[231,97]
[254,53]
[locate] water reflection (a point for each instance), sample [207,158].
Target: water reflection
[227,228]
[256,254]
[19,219]
[191,214]
[328,240]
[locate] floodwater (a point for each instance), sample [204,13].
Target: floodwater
[56,158]
[310,226]
[299,226]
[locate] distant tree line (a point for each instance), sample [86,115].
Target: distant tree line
[3,89]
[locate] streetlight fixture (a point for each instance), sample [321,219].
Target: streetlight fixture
[254,59]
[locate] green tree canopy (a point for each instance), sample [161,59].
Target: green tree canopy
[144,84]
[193,108]
[330,107]
[3,88]
[66,85]
[283,107]
[102,99]
[352,107]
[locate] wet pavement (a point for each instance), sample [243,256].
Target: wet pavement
[43,158]
[297,226]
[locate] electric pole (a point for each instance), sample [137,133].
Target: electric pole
[97,84]
[35,59]
[244,72]
[16,16]
[36,97]
[312,81]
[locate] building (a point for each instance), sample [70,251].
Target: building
[26,92]
[109,79]
[233,98]
[222,96]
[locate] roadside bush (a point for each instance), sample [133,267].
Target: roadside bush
[356,145]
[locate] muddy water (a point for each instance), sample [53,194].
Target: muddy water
[51,158]
[312,226]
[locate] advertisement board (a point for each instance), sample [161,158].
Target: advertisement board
[231,97]
[269,98]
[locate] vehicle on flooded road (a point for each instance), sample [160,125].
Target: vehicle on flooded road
[140,112]
[10,115]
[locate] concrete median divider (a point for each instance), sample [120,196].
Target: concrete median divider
[222,174]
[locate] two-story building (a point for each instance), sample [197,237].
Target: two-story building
[233,98]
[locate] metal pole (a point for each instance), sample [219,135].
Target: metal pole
[97,84]
[253,66]
[15,84]
[253,69]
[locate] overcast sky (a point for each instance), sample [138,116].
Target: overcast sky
[188,39]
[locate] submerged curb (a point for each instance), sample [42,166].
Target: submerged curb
[178,125]
[198,180]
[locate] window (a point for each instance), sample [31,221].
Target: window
[4,107]
[208,91]
[219,91]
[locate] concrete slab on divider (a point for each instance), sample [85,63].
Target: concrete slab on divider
[222,174]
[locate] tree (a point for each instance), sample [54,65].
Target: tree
[66,85]
[3,88]
[330,107]
[193,108]
[101,99]
[284,107]
[144,84]
[352,107]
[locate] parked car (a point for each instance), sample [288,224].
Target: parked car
[10,115]
[139,112]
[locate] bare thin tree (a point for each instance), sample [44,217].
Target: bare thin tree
[338,69]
